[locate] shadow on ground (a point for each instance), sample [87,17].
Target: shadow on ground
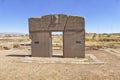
[58,56]
[18,55]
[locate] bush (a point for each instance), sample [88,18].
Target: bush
[6,48]
[16,45]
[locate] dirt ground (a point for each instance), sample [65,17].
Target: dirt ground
[11,68]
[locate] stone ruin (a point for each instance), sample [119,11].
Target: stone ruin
[73,28]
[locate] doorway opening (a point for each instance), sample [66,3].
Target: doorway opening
[57,44]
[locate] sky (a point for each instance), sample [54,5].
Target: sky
[101,16]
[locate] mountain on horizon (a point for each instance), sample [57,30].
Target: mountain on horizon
[15,34]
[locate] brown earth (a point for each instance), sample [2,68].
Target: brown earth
[11,67]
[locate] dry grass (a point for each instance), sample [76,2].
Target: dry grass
[13,42]
[57,40]
[103,39]
[108,40]
[12,68]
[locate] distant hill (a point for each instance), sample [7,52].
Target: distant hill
[10,34]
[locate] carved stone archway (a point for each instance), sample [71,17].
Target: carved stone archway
[73,28]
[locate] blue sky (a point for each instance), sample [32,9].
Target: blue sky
[101,16]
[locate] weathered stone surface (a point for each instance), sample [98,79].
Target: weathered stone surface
[58,22]
[40,29]
[74,23]
[74,44]
[42,23]
[41,43]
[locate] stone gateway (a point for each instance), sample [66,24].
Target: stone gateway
[73,28]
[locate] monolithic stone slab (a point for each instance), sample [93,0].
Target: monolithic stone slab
[73,28]
[41,44]
[74,44]
[57,22]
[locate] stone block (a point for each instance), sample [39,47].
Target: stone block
[74,44]
[73,28]
[41,44]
